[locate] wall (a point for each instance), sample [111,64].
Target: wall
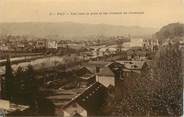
[106,80]
[73,109]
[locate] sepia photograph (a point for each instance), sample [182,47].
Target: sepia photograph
[114,58]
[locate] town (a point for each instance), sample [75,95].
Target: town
[111,75]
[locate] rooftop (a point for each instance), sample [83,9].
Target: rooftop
[91,99]
[132,65]
[105,71]
[62,97]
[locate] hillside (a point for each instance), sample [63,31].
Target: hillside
[170,31]
[70,29]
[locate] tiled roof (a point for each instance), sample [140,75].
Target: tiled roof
[105,71]
[62,97]
[99,63]
[91,99]
[92,65]
[91,68]
[83,71]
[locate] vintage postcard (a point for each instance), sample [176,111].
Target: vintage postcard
[91,58]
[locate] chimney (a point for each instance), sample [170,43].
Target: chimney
[97,69]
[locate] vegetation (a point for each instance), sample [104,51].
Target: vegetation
[159,91]
[167,96]
[7,89]
[21,87]
[26,86]
[170,31]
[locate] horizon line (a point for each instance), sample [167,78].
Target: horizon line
[85,23]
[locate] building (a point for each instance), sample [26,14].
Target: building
[87,103]
[105,76]
[20,46]
[51,44]
[108,76]
[4,104]
[93,66]
[62,44]
[85,77]
[40,44]
[58,99]
[4,47]
[181,42]
[134,66]
[136,43]
[7,107]
[75,46]
[126,74]
[151,44]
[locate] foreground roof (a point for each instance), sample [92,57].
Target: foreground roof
[91,99]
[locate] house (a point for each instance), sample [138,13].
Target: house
[85,77]
[93,66]
[40,44]
[4,47]
[87,103]
[75,46]
[7,107]
[136,54]
[57,98]
[51,44]
[112,73]
[63,44]
[120,70]
[20,46]
[136,43]
[134,66]
[4,104]
[104,75]
[151,44]
[126,74]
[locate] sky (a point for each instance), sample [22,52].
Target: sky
[152,13]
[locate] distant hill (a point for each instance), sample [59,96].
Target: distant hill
[70,29]
[170,31]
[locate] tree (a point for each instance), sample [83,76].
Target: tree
[19,85]
[26,86]
[31,87]
[167,96]
[131,94]
[157,92]
[8,86]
